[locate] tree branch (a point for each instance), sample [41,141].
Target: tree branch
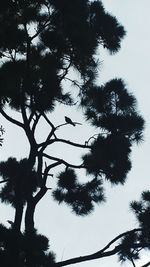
[7,117]
[4,181]
[40,194]
[74,82]
[66,123]
[31,115]
[132,261]
[94,256]
[101,253]
[35,122]
[48,121]
[63,141]
[47,23]
[47,169]
[52,126]
[145,265]
[61,161]
[65,71]
[44,144]
[120,236]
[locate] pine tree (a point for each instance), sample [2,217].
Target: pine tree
[41,43]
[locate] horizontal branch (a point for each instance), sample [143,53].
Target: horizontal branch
[4,181]
[61,161]
[71,143]
[63,141]
[66,124]
[89,257]
[99,254]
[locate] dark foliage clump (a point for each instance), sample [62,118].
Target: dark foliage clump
[20,181]
[81,197]
[134,243]
[32,248]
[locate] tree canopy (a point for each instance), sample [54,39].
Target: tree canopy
[41,44]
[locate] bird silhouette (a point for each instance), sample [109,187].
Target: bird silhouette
[69,121]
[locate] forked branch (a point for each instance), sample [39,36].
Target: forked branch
[101,253]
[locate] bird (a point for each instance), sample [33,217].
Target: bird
[69,121]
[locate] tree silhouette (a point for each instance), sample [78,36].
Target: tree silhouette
[41,43]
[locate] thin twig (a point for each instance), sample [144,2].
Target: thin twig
[132,261]
[4,181]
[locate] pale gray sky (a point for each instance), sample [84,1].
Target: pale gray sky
[70,235]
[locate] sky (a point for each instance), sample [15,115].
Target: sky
[72,236]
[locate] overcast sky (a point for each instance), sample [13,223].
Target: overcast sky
[70,235]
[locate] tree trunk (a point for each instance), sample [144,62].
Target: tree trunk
[18,216]
[31,204]
[29,216]
[29,221]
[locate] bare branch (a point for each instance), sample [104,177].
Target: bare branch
[31,116]
[2,54]
[52,126]
[99,254]
[94,256]
[65,103]
[63,124]
[46,171]
[35,122]
[40,194]
[46,24]
[61,161]
[74,82]
[4,181]
[132,262]
[7,117]
[71,143]
[48,121]
[145,265]
[63,141]
[65,71]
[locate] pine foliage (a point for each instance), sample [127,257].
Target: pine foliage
[20,181]
[133,244]
[81,197]
[42,42]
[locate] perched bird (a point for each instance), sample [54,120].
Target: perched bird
[68,120]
